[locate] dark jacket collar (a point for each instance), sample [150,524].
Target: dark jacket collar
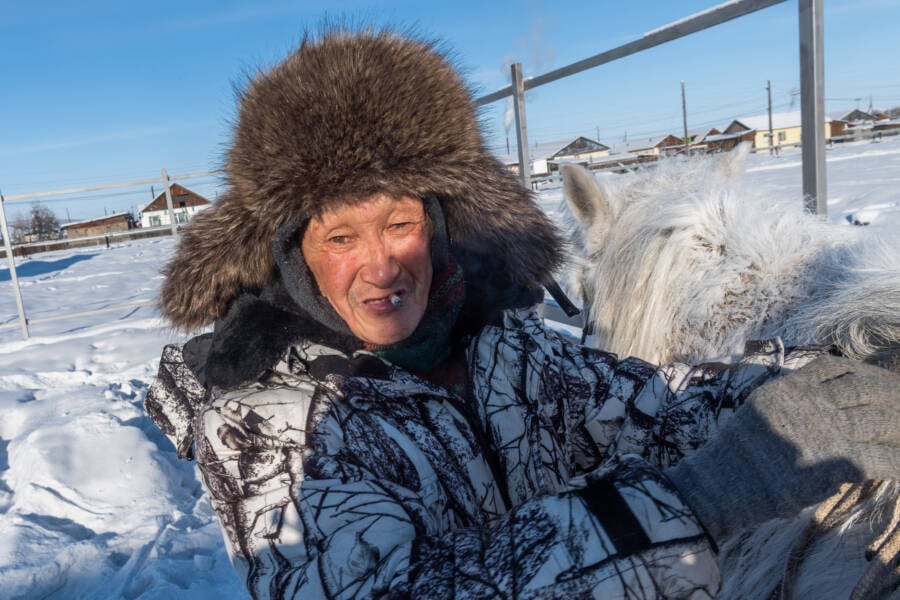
[259,327]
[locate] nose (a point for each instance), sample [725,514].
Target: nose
[381,268]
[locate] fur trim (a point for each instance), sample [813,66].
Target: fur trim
[347,115]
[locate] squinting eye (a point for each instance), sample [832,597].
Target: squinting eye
[402,226]
[339,240]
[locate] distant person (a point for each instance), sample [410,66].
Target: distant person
[379,413]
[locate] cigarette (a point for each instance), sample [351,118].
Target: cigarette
[396,300]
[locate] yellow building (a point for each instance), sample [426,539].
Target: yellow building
[786,129]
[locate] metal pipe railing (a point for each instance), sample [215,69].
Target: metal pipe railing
[23,320]
[812,111]
[811,75]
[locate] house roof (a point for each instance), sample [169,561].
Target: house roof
[94,222]
[783,120]
[580,145]
[600,160]
[180,194]
[700,135]
[645,143]
[555,149]
[853,116]
[718,137]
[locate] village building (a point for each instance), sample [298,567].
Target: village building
[725,142]
[662,145]
[858,117]
[883,125]
[546,157]
[697,139]
[786,129]
[100,226]
[185,204]
[866,123]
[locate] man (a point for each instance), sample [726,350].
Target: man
[377,412]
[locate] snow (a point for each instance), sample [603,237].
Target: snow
[93,501]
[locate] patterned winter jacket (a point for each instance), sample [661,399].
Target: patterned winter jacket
[340,476]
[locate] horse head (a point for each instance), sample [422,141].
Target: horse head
[685,261]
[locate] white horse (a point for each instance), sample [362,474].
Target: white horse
[681,262]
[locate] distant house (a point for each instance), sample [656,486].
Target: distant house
[868,123]
[697,139]
[654,146]
[100,226]
[725,142]
[856,116]
[582,149]
[545,157]
[885,125]
[185,204]
[786,128]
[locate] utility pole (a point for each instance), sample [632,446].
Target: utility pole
[687,139]
[771,135]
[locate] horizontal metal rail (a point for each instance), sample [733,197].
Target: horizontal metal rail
[139,232]
[106,186]
[697,22]
[23,322]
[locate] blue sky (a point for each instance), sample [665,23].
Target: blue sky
[95,92]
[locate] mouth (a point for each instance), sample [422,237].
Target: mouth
[392,300]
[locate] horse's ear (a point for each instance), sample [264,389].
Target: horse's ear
[583,195]
[732,163]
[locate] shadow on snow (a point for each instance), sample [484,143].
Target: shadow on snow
[42,267]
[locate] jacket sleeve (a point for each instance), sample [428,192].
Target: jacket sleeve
[323,526]
[607,406]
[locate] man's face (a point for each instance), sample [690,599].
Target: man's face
[364,252]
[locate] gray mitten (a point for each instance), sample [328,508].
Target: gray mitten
[793,443]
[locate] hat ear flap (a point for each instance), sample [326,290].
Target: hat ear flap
[440,236]
[298,280]
[218,256]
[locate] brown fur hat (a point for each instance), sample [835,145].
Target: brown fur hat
[347,115]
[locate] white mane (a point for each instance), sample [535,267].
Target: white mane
[685,262]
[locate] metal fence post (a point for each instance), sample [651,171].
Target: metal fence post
[4,228]
[812,106]
[521,125]
[165,180]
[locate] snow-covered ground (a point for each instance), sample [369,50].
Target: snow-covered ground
[93,501]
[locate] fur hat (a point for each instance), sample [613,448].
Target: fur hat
[347,115]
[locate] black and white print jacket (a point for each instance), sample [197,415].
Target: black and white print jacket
[339,476]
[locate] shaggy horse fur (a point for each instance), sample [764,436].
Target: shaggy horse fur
[682,263]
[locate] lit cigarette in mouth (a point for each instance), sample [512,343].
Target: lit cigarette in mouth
[396,300]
